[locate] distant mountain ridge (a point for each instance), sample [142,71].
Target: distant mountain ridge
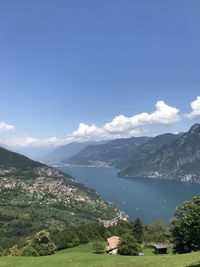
[144,150]
[63,152]
[179,160]
[115,153]
[120,153]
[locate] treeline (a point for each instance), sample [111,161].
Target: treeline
[183,233]
[85,233]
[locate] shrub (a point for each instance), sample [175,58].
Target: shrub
[14,251]
[39,245]
[29,251]
[129,246]
[43,244]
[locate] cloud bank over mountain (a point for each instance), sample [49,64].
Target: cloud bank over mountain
[121,126]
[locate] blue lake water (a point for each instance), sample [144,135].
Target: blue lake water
[151,199]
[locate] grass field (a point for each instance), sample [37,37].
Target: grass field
[82,256]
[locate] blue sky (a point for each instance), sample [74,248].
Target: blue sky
[68,62]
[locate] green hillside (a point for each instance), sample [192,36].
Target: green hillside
[34,196]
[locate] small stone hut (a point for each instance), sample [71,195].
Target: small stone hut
[113,243]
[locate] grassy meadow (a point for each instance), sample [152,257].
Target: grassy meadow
[82,256]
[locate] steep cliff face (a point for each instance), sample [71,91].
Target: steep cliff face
[179,160]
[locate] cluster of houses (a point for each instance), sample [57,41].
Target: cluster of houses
[113,244]
[55,190]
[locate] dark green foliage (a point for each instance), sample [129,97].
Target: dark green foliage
[129,246]
[10,159]
[156,232]
[6,243]
[42,243]
[98,247]
[84,233]
[28,250]
[138,230]
[121,228]
[80,234]
[185,226]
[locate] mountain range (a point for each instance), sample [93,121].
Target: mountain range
[62,153]
[119,153]
[179,160]
[116,153]
[166,156]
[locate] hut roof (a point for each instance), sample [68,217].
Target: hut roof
[161,246]
[113,242]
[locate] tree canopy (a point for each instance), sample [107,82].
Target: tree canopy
[185,226]
[138,230]
[129,246]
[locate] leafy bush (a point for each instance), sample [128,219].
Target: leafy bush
[43,244]
[39,245]
[29,251]
[14,251]
[80,234]
[129,246]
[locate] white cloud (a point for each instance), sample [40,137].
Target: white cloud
[92,132]
[6,127]
[87,131]
[164,114]
[31,141]
[195,105]
[122,126]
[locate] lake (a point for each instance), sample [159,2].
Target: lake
[150,199]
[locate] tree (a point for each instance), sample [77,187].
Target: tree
[67,239]
[42,244]
[156,232]
[185,226]
[98,247]
[129,246]
[138,230]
